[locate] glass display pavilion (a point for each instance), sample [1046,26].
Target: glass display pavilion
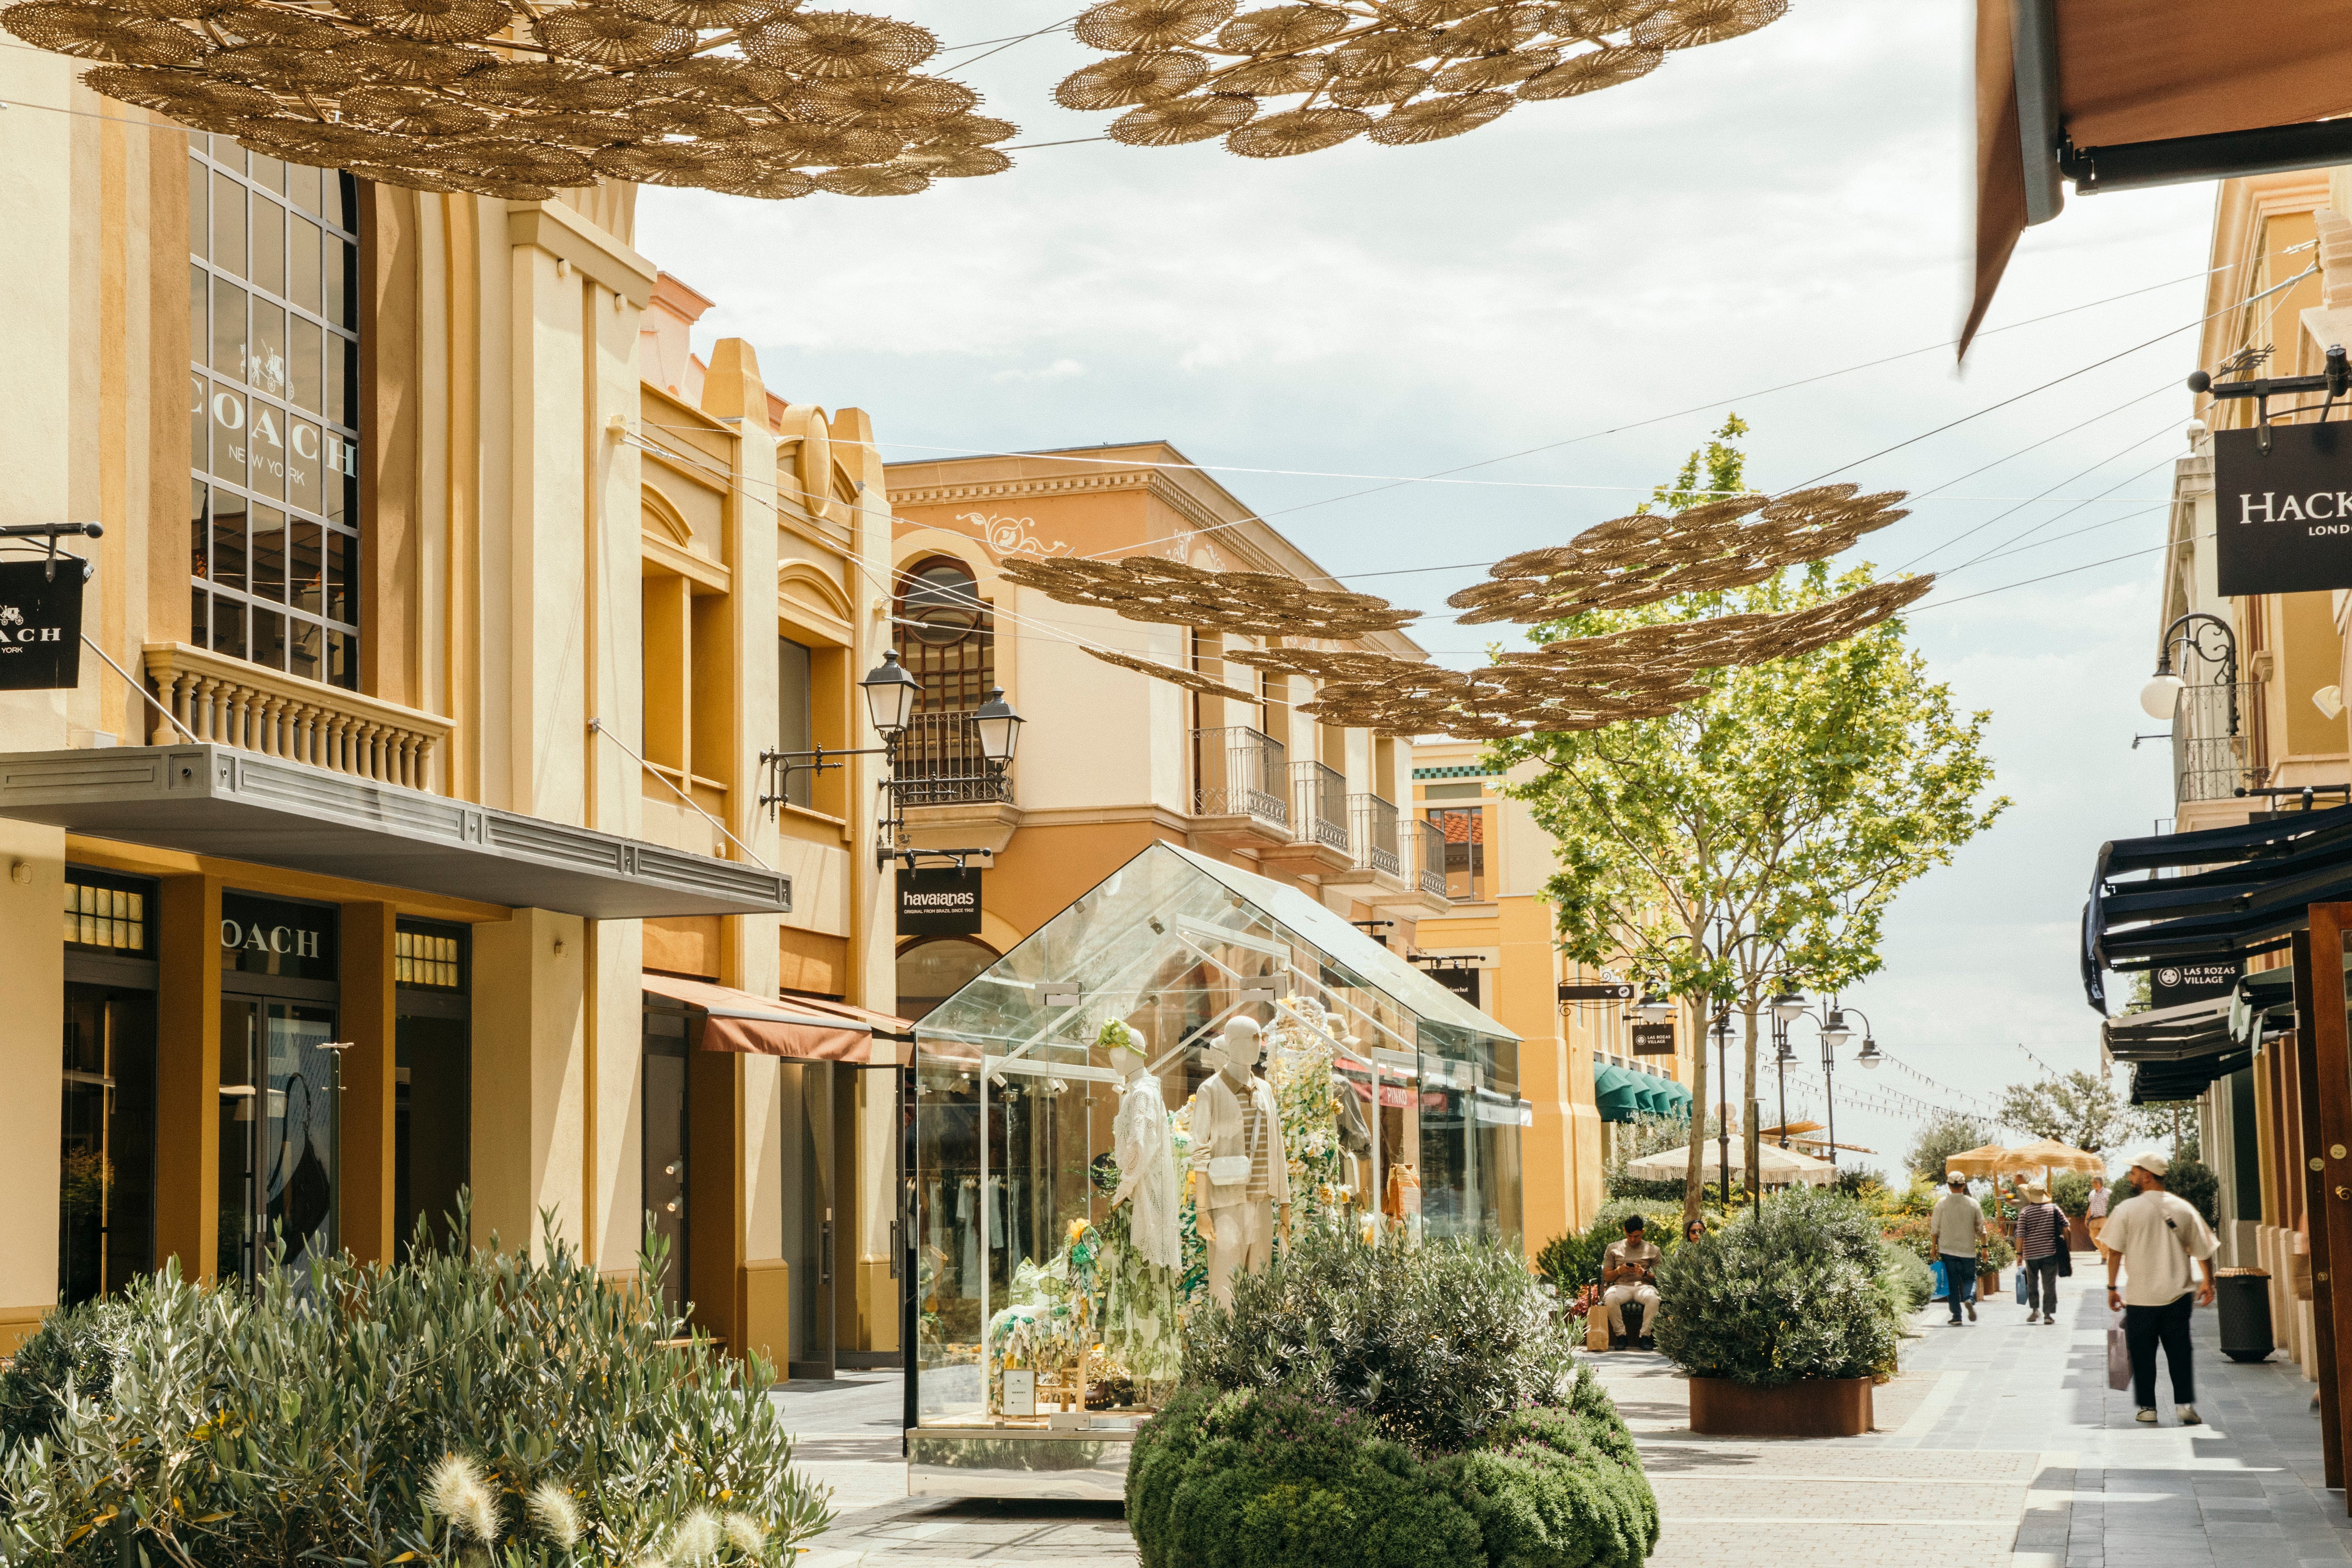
[1041,1341]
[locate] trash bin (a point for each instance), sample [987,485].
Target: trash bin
[2244,1298]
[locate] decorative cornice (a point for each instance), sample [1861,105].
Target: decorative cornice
[1156,486]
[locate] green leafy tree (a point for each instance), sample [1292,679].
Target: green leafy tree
[1942,1138]
[1754,836]
[2077,1108]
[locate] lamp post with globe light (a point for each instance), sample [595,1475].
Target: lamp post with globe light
[1787,1008]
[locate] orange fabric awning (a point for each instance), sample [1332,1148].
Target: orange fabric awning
[799,1027]
[2129,75]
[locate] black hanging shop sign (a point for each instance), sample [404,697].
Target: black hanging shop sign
[1607,991]
[2283,499]
[1653,1039]
[2170,984]
[942,901]
[41,624]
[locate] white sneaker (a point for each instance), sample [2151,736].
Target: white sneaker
[2187,1416]
[2146,1416]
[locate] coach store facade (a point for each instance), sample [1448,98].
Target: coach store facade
[449,607]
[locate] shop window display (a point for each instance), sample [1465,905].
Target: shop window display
[1159,1087]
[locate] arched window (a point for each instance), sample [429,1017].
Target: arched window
[936,968]
[946,636]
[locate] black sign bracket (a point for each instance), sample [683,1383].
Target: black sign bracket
[2335,381]
[53,532]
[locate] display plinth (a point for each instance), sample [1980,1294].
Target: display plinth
[1009,1460]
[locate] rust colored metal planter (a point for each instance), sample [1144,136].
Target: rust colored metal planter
[1826,1408]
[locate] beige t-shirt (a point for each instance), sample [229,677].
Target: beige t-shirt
[2156,1268]
[1620,1253]
[1956,1222]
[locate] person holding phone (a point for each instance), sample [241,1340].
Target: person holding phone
[2159,1240]
[1629,1270]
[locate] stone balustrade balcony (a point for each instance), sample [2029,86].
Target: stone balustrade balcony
[234,703]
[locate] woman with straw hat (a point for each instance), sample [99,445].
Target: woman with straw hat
[2041,1241]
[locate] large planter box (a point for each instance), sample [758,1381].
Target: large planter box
[2078,1234]
[1829,1407]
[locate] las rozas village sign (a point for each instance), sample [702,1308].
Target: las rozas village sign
[2283,505]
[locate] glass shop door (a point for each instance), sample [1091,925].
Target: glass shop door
[819,1113]
[281,1082]
[665,1149]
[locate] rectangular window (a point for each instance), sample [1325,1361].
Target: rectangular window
[107,914]
[793,722]
[1464,830]
[426,959]
[274,410]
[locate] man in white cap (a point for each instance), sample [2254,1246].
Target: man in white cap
[2159,1241]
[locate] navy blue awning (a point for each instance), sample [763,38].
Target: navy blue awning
[2249,888]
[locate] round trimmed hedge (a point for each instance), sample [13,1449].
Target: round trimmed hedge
[1388,1406]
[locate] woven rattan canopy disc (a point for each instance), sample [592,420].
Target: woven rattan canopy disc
[1717,545]
[757,97]
[1257,604]
[1582,683]
[1398,72]
[1191,680]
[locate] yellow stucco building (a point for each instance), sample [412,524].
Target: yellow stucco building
[451,606]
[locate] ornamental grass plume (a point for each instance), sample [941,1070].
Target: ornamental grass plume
[750,1536]
[698,1538]
[457,1491]
[556,1515]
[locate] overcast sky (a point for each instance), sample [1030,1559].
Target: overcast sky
[1776,207]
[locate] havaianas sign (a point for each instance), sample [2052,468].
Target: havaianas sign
[2282,500]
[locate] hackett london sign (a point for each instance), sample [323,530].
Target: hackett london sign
[2283,518]
[944,901]
[40,625]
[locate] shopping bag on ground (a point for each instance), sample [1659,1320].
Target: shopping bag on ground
[2119,1371]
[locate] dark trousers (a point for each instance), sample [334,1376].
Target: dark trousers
[2143,1328]
[1961,1276]
[2042,1284]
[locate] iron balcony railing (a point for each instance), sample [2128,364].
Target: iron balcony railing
[1318,804]
[940,763]
[1240,773]
[1374,822]
[1428,857]
[2209,739]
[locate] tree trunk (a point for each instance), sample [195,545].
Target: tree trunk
[1754,1154]
[1694,1175]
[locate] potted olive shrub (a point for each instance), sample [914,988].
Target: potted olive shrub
[1779,1318]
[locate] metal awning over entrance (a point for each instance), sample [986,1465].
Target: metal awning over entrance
[805,1027]
[238,805]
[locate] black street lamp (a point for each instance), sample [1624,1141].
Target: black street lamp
[892,694]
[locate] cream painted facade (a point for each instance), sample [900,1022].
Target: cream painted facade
[1110,758]
[576,542]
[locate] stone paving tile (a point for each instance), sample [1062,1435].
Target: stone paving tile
[1999,1445]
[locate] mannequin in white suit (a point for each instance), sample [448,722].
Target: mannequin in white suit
[1237,1136]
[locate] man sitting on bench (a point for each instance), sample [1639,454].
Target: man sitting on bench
[1628,1270]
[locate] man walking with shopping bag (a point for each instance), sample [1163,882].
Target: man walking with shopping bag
[1956,1224]
[2159,1240]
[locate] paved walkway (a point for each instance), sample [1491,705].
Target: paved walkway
[2000,1446]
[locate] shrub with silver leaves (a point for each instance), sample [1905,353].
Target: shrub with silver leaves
[462,1407]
